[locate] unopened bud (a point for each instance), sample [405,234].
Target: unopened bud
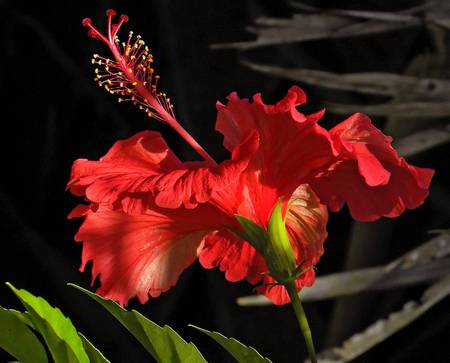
[279,255]
[273,245]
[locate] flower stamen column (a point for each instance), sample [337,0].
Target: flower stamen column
[131,76]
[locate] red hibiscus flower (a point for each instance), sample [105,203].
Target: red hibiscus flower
[150,215]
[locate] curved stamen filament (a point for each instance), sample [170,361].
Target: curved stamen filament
[130,76]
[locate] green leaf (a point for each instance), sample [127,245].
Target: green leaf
[239,351]
[23,316]
[163,343]
[95,356]
[18,340]
[253,233]
[57,330]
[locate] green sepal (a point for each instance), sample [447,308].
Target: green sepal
[279,255]
[253,233]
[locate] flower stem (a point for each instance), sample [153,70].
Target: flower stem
[302,321]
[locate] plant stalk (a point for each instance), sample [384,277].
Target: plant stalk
[302,321]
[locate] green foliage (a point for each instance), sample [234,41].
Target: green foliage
[60,335]
[95,356]
[239,351]
[66,345]
[18,340]
[163,343]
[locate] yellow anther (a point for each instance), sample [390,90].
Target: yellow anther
[134,83]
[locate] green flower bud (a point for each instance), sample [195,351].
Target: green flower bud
[273,244]
[279,255]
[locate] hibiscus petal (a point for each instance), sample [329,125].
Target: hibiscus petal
[196,183]
[127,166]
[142,255]
[369,175]
[238,117]
[141,168]
[235,257]
[306,223]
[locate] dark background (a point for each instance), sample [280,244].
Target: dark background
[53,113]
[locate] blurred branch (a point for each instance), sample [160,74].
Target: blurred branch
[382,329]
[372,83]
[413,109]
[422,264]
[422,141]
[306,27]
[373,15]
[315,23]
